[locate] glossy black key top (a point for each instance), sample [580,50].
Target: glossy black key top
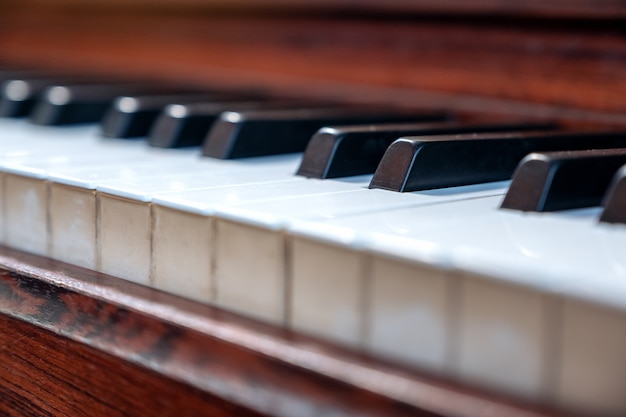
[83,103]
[563,180]
[414,164]
[19,94]
[335,152]
[185,125]
[271,132]
[134,116]
[615,199]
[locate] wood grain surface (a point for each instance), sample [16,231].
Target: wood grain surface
[77,343]
[576,71]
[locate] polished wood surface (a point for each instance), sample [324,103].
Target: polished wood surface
[42,374]
[571,70]
[75,342]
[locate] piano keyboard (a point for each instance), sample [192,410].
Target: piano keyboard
[528,304]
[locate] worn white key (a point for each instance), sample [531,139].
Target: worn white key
[25,198]
[72,211]
[125,225]
[516,272]
[245,256]
[33,153]
[578,268]
[381,324]
[25,190]
[132,199]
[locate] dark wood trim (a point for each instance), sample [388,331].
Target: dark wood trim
[560,9]
[73,341]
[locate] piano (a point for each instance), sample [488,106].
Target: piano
[272,294]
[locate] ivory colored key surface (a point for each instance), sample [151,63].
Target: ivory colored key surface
[72,204]
[580,266]
[125,212]
[62,223]
[19,139]
[523,307]
[72,211]
[243,258]
[129,201]
[316,296]
[26,191]
[14,157]
[28,153]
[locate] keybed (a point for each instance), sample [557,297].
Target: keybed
[439,279]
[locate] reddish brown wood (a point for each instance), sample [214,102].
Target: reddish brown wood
[74,343]
[42,374]
[575,72]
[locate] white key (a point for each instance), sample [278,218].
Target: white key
[34,154]
[578,268]
[122,201]
[26,197]
[246,239]
[515,273]
[591,369]
[72,211]
[26,193]
[413,265]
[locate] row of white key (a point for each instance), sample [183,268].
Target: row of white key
[102,218]
[394,283]
[530,304]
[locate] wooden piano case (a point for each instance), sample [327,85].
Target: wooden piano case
[77,343]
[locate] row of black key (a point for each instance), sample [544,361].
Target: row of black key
[431,153]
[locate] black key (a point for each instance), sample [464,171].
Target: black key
[185,125]
[335,152]
[423,163]
[134,116]
[18,95]
[563,180]
[84,103]
[615,200]
[271,132]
